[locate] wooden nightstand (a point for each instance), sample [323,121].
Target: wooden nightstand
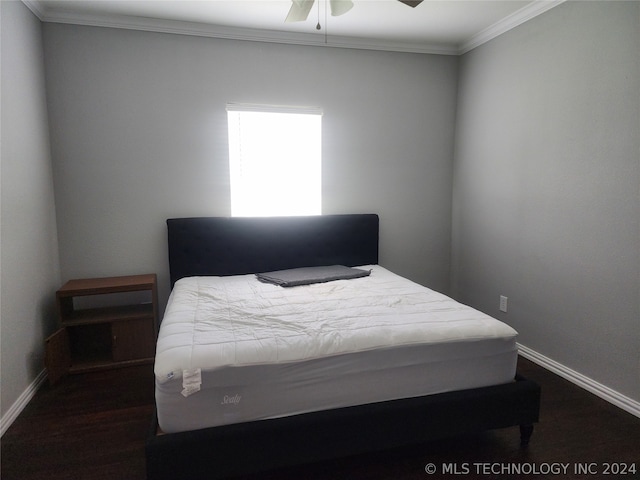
[117,333]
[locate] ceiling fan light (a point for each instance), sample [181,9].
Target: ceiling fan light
[299,10]
[340,7]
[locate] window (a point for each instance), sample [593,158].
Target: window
[274,160]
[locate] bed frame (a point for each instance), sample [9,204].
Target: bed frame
[234,246]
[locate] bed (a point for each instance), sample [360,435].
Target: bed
[240,390]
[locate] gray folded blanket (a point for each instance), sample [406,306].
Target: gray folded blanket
[308,275]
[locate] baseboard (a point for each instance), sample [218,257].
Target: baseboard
[10,416]
[618,399]
[598,389]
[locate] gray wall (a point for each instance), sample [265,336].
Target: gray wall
[29,248]
[545,198]
[546,189]
[138,126]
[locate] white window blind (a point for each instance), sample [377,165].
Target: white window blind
[275,160]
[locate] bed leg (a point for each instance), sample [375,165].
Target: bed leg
[525,434]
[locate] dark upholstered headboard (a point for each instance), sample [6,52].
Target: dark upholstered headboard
[240,245]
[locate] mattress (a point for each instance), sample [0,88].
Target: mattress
[234,349]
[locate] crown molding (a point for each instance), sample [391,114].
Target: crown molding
[36,8]
[507,23]
[271,36]
[233,33]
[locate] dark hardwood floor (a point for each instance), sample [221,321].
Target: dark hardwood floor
[94,427]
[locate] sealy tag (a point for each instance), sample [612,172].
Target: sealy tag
[191,381]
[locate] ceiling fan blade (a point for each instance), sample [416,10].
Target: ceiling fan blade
[340,7]
[411,3]
[299,10]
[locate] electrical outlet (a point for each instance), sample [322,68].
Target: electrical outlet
[503,303]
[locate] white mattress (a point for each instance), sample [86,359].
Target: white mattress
[233,349]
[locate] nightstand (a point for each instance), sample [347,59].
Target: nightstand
[104,323]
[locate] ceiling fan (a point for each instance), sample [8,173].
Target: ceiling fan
[300,8]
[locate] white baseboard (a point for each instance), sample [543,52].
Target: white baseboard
[618,399]
[10,416]
[598,389]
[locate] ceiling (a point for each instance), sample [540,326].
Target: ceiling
[435,26]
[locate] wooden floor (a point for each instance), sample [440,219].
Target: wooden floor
[94,427]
